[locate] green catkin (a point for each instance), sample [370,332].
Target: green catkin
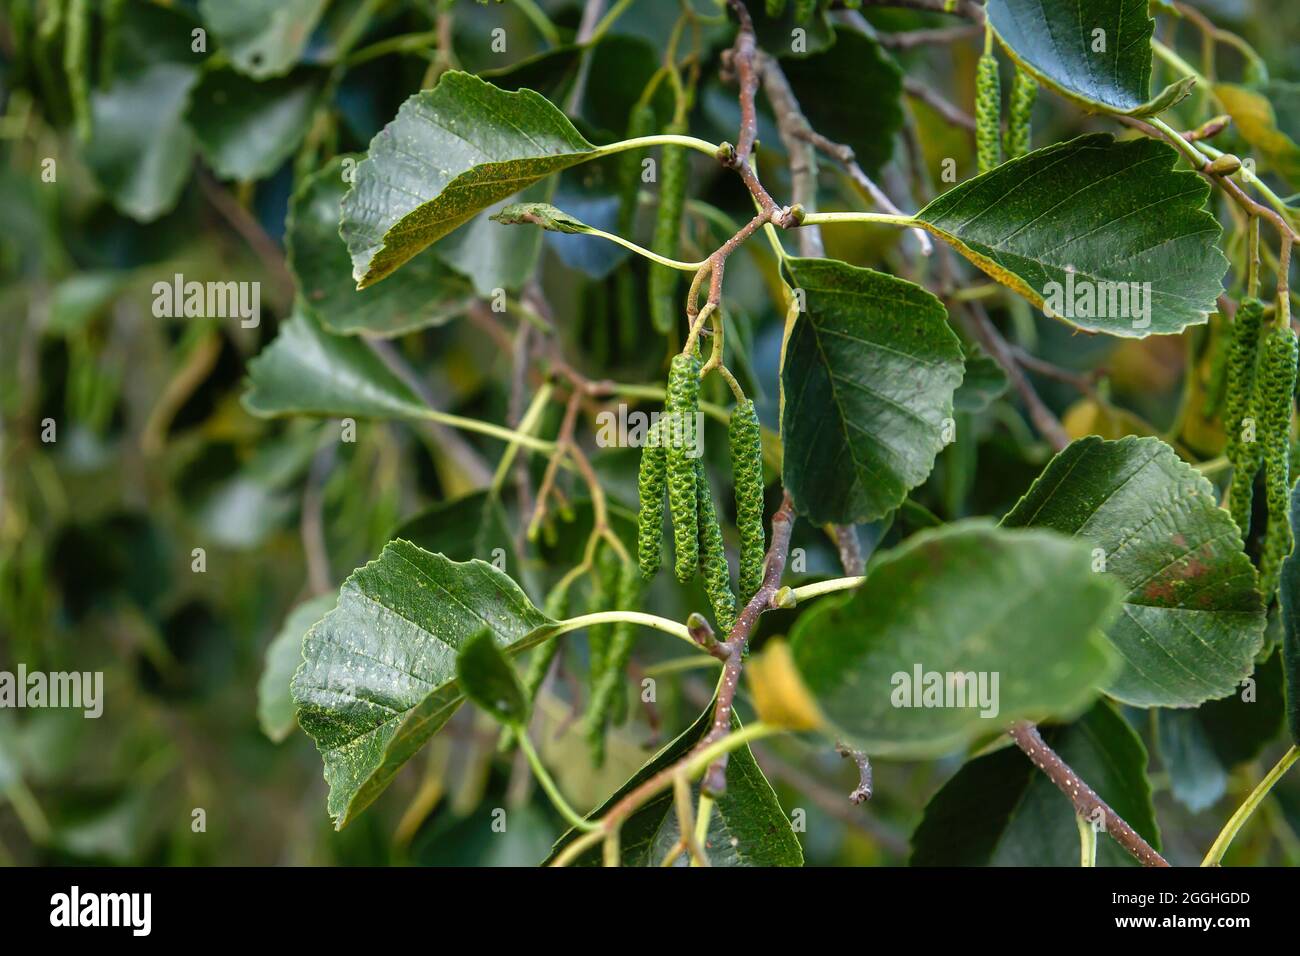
[775,8]
[988,105]
[1277,376]
[1244,456]
[651,481]
[640,123]
[556,607]
[111,20]
[745,438]
[803,10]
[606,701]
[667,234]
[602,595]
[76,65]
[1024,90]
[680,407]
[713,555]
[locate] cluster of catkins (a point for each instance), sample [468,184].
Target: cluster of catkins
[668,465]
[1257,416]
[989,144]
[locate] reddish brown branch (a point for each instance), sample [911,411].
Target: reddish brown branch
[913,38]
[1048,425]
[715,779]
[918,90]
[1085,799]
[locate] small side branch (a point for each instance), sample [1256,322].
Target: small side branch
[1048,425]
[862,792]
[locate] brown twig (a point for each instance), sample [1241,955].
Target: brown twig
[829,801]
[1048,425]
[911,39]
[738,638]
[957,117]
[1083,382]
[1223,180]
[862,792]
[1085,799]
[312,525]
[444,439]
[251,231]
[961,8]
[715,779]
[849,548]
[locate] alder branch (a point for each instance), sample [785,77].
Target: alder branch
[715,780]
[1202,164]
[931,98]
[961,8]
[1085,799]
[1048,425]
[734,648]
[911,39]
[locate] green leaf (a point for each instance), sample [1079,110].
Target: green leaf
[1021,608]
[868,378]
[451,152]
[378,677]
[983,384]
[1197,778]
[1192,621]
[748,827]
[262,39]
[1199,747]
[307,371]
[425,293]
[489,680]
[1072,227]
[1095,52]
[283,655]
[492,257]
[140,149]
[999,810]
[868,124]
[246,129]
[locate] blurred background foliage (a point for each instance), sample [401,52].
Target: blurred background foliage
[168,161]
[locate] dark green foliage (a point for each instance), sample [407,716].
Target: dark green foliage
[604,703]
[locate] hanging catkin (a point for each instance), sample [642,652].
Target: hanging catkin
[745,438]
[678,431]
[713,555]
[988,105]
[1244,455]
